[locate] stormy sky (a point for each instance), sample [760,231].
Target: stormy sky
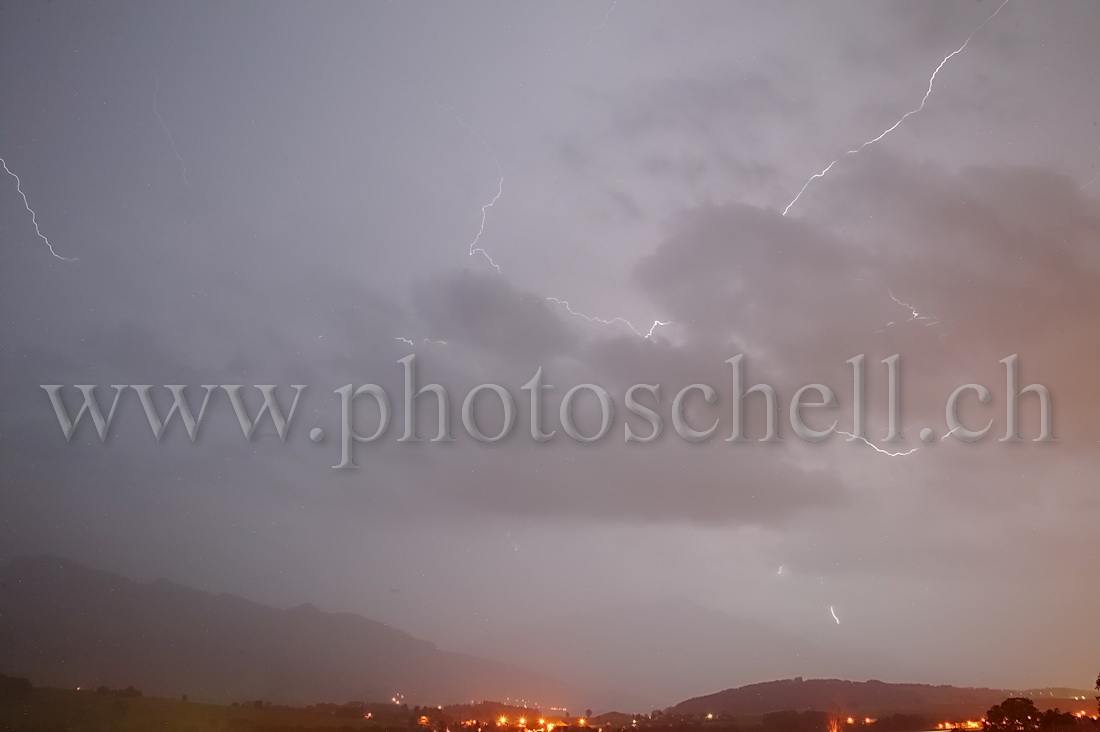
[290,193]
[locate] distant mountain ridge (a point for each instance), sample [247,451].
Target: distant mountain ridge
[64,624]
[862,697]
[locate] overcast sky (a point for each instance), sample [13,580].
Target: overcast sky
[281,193]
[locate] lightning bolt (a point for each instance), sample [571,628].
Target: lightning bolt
[833,613]
[876,447]
[34,218]
[596,30]
[912,310]
[413,343]
[907,115]
[474,248]
[171,140]
[913,314]
[612,321]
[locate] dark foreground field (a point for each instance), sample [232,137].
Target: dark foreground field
[58,710]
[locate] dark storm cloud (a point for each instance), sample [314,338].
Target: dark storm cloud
[1002,258]
[486,313]
[993,259]
[708,274]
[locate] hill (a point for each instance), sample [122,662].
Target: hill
[859,697]
[63,624]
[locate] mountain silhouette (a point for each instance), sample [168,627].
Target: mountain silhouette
[859,698]
[63,624]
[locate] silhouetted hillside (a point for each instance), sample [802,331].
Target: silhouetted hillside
[63,624]
[852,697]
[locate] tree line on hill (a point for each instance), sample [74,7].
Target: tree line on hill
[14,688]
